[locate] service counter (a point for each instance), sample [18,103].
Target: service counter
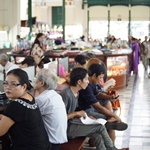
[5,50]
[118,62]
[118,65]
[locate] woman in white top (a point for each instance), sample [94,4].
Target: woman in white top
[37,51]
[52,107]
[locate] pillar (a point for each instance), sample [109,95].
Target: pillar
[108,19]
[129,24]
[30,18]
[64,19]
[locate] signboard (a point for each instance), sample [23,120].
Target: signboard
[69,2]
[4,28]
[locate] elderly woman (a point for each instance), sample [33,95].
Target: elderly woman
[22,118]
[52,107]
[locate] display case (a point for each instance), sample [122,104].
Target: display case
[4,32]
[118,68]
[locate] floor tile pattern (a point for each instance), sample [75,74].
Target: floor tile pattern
[135,104]
[135,110]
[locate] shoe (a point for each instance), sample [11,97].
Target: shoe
[124,149]
[116,126]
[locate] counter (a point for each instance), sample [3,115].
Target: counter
[5,50]
[118,65]
[118,62]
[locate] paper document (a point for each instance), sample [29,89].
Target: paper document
[88,120]
[110,82]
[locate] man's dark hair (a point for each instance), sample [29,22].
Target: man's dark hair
[76,74]
[18,37]
[29,61]
[81,59]
[96,69]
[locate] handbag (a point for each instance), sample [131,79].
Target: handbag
[116,103]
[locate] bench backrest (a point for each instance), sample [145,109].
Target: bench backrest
[30,71]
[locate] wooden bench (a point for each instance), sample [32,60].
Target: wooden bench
[73,144]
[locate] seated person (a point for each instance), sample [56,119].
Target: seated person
[89,100]
[96,132]
[103,81]
[19,45]
[58,41]
[27,62]
[72,44]
[52,107]
[80,61]
[95,60]
[4,61]
[22,118]
[103,87]
[90,55]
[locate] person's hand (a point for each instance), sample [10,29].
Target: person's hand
[116,118]
[114,98]
[92,117]
[81,114]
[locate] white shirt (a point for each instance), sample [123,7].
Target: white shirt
[10,66]
[54,115]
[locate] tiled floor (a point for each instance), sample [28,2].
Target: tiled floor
[135,110]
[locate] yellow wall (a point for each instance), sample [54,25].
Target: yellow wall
[10,16]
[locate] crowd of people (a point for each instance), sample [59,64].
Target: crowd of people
[35,124]
[141,49]
[49,119]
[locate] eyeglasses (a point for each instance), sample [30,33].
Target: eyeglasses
[11,85]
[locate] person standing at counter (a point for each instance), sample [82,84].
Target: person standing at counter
[135,50]
[19,44]
[144,47]
[37,51]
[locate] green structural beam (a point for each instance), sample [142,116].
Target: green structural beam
[129,25]
[88,20]
[149,23]
[30,18]
[64,18]
[108,19]
[115,2]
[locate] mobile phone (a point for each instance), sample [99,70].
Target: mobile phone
[116,97]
